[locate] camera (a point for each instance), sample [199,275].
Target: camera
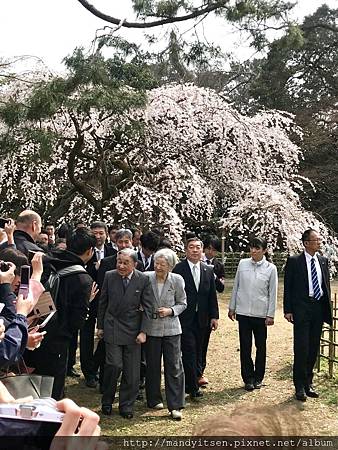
[4,266]
[3,222]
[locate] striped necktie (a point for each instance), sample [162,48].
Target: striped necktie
[314,277]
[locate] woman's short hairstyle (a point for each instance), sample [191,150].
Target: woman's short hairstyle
[169,255]
[258,242]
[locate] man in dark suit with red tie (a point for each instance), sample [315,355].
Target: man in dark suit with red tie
[307,304]
[201,312]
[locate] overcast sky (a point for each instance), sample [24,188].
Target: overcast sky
[51,29]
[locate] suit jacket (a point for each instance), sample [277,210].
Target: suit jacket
[121,313]
[109,263]
[91,269]
[172,296]
[205,298]
[219,271]
[296,288]
[150,268]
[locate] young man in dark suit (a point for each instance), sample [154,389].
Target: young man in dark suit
[201,313]
[211,245]
[126,297]
[307,304]
[90,360]
[149,244]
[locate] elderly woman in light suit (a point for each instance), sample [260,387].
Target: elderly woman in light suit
[163,331]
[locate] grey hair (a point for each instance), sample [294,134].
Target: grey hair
[128,252]
[123,232]
[169,255]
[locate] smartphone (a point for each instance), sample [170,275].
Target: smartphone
[30,255]
[25,274]
[3,222]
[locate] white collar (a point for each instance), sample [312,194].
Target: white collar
[309,257]
[191,264]
[259,263]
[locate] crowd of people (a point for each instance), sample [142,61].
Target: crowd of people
[130,301]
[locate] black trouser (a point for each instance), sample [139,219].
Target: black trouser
[202,361]
[90,360]
[307,331]
[249,326]
[72,351]
[170,347]
[191,344]
[51,360]
[125,359]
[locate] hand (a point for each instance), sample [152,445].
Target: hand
[164,312]
[99,333]
[9,230]
[25,306]
[214,324]
[9,275]
[37,266]
[94,291]
[35,338]
[289,317]
[6,397]
[2,330]
[269,321]
[232,314]
[78,422]
[141,338]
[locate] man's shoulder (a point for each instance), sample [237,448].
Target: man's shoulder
[107,260]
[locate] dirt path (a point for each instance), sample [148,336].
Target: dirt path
[225,391]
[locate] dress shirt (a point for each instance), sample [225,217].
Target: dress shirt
[198,271]
[99,253]
[308,258]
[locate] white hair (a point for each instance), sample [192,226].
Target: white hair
[169,255]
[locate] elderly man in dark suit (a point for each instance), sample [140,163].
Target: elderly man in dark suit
[126,297]
[201,312]
[307,305]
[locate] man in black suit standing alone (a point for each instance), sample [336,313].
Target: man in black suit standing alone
[201,312]
[307,305]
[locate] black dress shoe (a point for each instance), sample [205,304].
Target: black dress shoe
[257,384]
[249,386]
[300,395]
[310,392]
[106,410]
[126,415]
[91,382]
[72,373]
[195,396]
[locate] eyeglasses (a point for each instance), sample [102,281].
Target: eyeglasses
[315,240]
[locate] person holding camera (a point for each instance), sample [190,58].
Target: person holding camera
[16,336]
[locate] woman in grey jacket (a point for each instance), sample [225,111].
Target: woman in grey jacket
[163,331]
[253,304]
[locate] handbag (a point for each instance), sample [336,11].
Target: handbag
[28,384]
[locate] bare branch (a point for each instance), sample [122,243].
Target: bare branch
[121,22]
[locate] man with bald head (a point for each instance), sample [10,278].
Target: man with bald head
[28,227]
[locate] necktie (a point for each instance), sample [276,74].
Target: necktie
[125,281]
[195,276]
[147,264]
[315,284]
[98,255]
